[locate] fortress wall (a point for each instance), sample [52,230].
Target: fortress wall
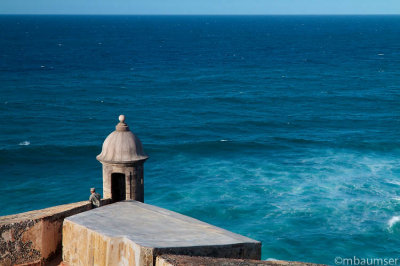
[179,260]
[82,246]
[134,233]
[35,236]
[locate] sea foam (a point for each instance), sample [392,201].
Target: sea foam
[394,220]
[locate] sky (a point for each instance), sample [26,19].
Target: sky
[191,7]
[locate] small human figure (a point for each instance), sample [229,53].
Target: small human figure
[94,198]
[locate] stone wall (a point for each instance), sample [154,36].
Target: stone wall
[135,233]
[178,260]
[36,236]
[82,246]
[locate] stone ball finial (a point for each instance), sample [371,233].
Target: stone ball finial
[121,118]
[121,126]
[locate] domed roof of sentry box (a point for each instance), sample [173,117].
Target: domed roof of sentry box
[122,146]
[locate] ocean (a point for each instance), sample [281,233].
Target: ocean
[280,128]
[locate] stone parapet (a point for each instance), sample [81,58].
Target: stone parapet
[35,236]
[134,233]
[179,260]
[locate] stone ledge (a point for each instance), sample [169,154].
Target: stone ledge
[179,260]
[59,210]
[35,237]
[43,213]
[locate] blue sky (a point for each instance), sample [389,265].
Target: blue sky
[188,7]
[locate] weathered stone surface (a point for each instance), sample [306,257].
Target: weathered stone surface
[35,237]
[179,260]
[34,263]
[134,180]
[134,233]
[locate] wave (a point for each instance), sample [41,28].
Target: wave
[393,221]
[33,147]
[351,145]
[213,147]
[69,152]
[54,153]
[301,141]
[219,144]
[393,182]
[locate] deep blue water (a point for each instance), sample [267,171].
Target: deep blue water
[283,129]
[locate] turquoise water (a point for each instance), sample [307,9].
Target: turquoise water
[283,129]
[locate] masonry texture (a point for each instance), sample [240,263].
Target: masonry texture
[134,233]
[179,260]
[35,236]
